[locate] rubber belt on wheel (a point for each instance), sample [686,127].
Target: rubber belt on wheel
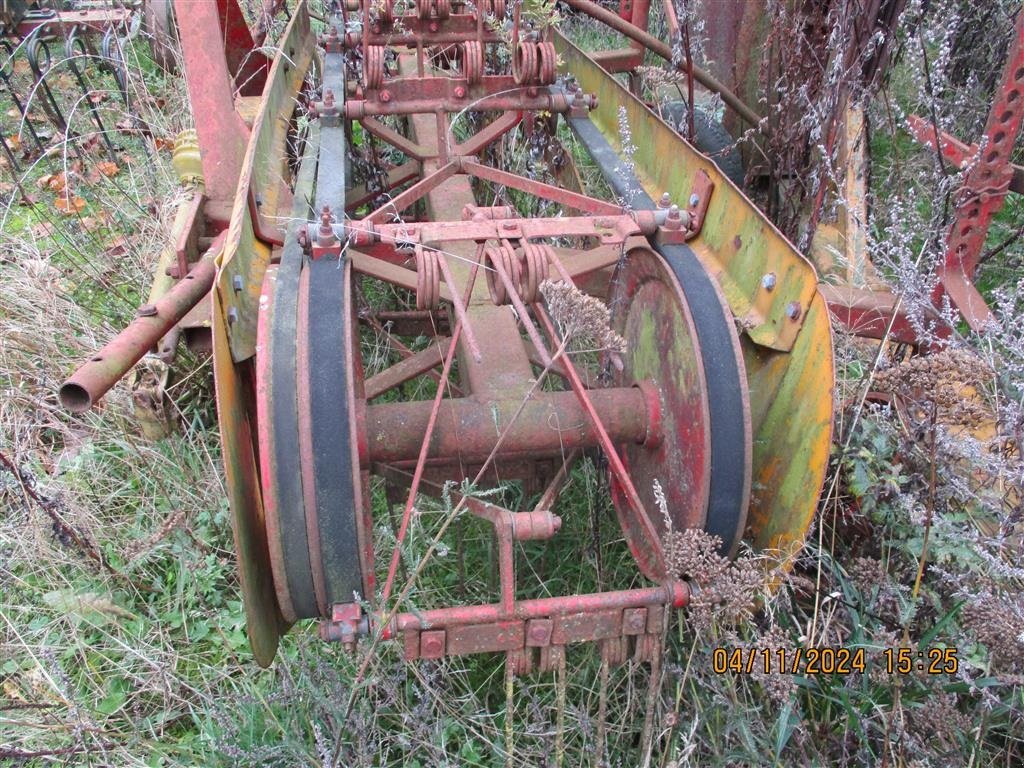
[284,408]
[330,430]
[730,425]
[330,377]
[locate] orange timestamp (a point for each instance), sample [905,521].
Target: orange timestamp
[832,661]
[931,661]
[806,661]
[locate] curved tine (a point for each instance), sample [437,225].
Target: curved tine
[114,60]
[33,46]
[73,45]
[6,77]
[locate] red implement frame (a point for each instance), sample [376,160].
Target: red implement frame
[475,271]
[990,175]
[416,444]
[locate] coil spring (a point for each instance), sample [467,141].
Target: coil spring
[534,63]
[473,61]
[373,67]
[428,279]
[526,268]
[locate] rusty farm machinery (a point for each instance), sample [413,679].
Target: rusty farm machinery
[663,325]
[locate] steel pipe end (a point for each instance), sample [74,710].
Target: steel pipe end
[74,397]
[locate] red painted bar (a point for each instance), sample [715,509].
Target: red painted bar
[674,593]
[548,425]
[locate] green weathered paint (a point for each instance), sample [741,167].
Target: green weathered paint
[789,363]
[263,171]
[737,243]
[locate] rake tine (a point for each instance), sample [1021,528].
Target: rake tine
[72,44]
[33,47]
[14,97]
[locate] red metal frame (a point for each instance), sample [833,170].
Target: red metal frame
[497,420]
[409,443]
[990,175]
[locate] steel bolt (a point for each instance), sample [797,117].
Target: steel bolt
[325,232]
[793,310]
[236,283]
[768,281]
[232,315]
[258,199]
[147,310]
[666,201]
[694,200]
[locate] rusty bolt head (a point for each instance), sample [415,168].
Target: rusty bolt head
[147,310]
[328,98]
[433,26]
[508,225]
[793,310]
[538,634]
[460,92]
[385,96]
[431,645]
[768,281]
[236,283]
[232,315]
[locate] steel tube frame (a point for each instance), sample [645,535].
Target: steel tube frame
[90,382]
[655,45]
[672,593]
[550,424]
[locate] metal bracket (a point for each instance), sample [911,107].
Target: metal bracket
[346,625]
[698,202]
